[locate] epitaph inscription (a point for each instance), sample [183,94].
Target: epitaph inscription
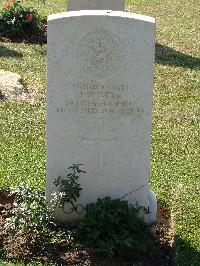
[93,98]
[100,54]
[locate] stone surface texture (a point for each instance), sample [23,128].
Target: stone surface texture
[75,5]
[11,87]
[99,104]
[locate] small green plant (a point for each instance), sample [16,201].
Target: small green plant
[109,226]
[31,214]
[30,211]
[17,19]
[112,227]
[68,189]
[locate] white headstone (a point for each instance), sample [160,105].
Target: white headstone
[99,104]
[74,5]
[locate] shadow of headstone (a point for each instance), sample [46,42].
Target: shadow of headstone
[7,52]
[188,255]
[169,56]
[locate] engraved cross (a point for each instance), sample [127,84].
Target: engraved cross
[98,141]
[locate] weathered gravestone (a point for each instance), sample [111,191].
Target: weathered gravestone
[99,104]
[95,4]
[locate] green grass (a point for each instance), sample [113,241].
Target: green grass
[45,7]
[22,132]
[175,153]
[22,145]
[176,115]
[29,61]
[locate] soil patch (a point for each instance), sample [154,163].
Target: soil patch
[27,248]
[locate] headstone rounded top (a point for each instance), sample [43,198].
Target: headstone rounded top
[98,13]
[75,5]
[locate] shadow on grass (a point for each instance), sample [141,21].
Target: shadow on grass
[186,255]
[168,56]
[7,52]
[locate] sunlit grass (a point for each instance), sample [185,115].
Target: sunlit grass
[29,61]
[175,173]
[22,145]
[45,7]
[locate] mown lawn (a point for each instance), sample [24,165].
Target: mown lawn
[175,149]
[175,165]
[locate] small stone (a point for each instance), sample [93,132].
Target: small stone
[11,87]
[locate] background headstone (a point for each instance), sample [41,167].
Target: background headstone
[99,104]
[74,5]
